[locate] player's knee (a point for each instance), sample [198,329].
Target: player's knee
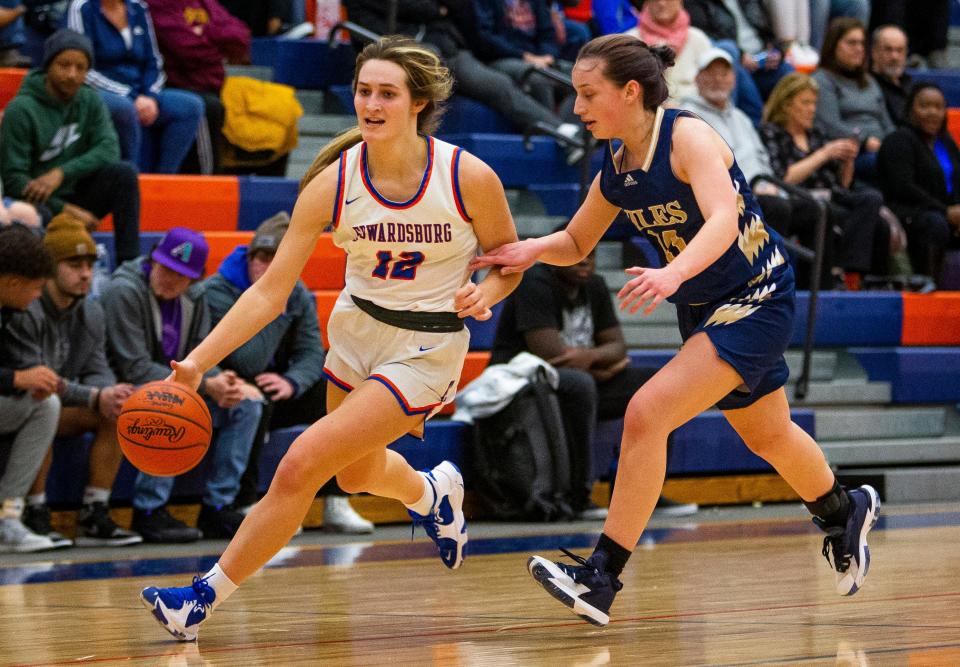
[293,475]
[643,420]
[352,480]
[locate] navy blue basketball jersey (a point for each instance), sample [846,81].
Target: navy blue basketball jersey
[665,210]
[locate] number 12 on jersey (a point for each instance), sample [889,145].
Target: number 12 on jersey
[403,268]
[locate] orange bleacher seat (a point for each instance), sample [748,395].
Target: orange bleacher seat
[953,123]
[10,80]
[931,319]
[473,366]
[222,244]
[325,268]
[323,271]
[203,203]
[325,300]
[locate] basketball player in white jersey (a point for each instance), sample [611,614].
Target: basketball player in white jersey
[411,212]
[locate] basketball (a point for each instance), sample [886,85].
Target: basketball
[164,428]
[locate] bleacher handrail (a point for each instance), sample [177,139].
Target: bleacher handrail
[803,382]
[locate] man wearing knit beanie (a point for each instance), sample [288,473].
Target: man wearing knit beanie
[59,150]
[65,331]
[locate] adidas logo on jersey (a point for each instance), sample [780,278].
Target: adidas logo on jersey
[629,180]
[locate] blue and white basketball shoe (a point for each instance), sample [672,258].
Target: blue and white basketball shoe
[180,610]
[845,548]
[585,587]
[445,524]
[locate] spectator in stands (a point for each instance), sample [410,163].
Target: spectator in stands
[571,35]
[565,316]
[667,22]
[285,360]
[12,36]
[515,35]
[29,405]
[919,169]
[265,18]
[195,37]
[66,332]
[158,314]
[445,26]
[888,62]
[157,125]
[789,214]
[59,151]
[20,212]
[800,154]
[824,11]
[926,23]
[612,16]
[850,104]
[744,28]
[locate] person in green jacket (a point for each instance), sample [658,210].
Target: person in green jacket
[58,148]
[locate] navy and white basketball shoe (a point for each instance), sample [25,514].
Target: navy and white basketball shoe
[585,588]
[180,610]
[845,547]
[445,524]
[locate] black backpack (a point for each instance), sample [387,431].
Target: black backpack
[521,460]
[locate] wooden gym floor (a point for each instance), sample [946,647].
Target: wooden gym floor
[726,587]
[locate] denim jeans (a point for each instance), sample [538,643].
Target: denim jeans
[234,429]
[161,147]
[12,36]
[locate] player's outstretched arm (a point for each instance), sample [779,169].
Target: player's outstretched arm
[265,300]
[562,248]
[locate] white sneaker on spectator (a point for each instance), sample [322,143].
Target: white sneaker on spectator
[17,538]
[667,507]
[245,510]
[340,517]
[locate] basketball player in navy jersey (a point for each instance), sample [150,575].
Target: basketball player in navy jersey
[679,185]
[411,211]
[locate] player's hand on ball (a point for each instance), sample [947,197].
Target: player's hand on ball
[469,301]
[650,285]
[186,372]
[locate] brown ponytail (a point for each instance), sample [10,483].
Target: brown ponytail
[626,58]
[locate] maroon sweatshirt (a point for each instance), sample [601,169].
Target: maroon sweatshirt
[195,37]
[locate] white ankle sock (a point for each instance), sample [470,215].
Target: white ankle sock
[220,583]
[93,494]
[425,504]
[35,499]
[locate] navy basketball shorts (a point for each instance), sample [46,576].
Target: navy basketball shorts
[750,331]
[421,369]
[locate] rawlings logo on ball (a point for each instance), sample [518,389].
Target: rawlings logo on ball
[155,426]
[164,396]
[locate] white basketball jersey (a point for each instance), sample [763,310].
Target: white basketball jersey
[410,255]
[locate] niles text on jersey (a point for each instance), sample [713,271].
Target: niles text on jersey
[658,215]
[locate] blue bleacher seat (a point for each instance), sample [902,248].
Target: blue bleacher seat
[518,167]
[915,374]
[558,198]
[262,197]
[304,63]
[482,333]
[851,318]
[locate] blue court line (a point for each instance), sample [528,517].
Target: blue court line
[370,552]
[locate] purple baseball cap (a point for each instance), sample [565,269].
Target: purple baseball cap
[182,250]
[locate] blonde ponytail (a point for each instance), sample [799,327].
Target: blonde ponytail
[329,153]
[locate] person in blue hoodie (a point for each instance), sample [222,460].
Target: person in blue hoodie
[157,125]
[285,360]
